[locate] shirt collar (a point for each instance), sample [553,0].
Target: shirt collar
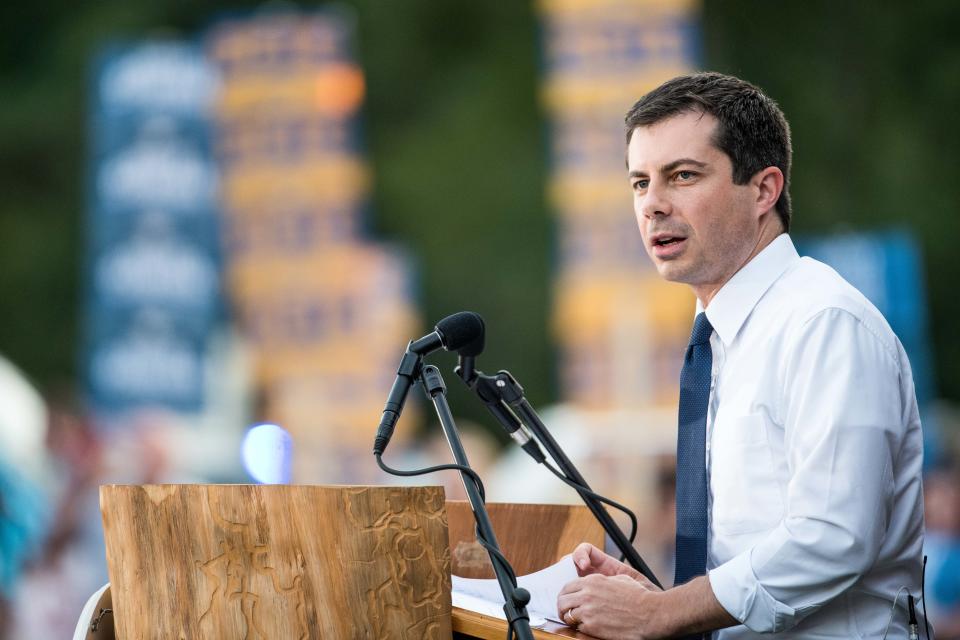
[732,305]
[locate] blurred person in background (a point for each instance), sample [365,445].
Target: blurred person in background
[72,562]
[799,496]
[24,513]
[942,545]
[69,567]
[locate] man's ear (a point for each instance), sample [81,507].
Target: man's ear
[769,185]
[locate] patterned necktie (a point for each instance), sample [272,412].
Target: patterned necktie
[691,454]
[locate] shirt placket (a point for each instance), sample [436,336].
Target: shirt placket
[719,356]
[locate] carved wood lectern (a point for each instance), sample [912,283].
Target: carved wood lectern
[257,562]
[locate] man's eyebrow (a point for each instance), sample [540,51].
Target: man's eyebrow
[671,166]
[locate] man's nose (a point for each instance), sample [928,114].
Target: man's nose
[654,202]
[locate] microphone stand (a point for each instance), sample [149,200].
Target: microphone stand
[504,398]
[515,598]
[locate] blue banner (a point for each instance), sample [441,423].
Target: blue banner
[153,278]
[887,268]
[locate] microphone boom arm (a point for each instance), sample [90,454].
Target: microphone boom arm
[504,398]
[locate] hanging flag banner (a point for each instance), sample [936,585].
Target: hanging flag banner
[620,329]
[619,326]
[153,237]
[325,309]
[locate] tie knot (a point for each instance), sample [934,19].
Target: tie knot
[702,329]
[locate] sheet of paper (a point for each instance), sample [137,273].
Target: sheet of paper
[484,596]
[492,609]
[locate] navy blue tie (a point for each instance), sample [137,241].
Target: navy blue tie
[691,454]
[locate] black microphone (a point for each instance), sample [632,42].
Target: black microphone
[407,372]
[461,332]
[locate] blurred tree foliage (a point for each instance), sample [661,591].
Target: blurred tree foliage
[872,92]
[458,145]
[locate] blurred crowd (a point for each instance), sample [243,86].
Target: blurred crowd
[53,457]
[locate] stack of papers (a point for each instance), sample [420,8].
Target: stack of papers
[484,596]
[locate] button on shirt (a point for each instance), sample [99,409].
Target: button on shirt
[814,456]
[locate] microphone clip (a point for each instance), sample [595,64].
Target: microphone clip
[499,393]
[466,369]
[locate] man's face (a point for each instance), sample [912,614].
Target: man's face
[698,227]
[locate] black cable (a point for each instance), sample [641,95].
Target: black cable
[498,556]
[440,467]
[582,489]
[500,559]
[495,554]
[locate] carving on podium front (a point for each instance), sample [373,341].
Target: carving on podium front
[243,562]
[398,535]
[237,578]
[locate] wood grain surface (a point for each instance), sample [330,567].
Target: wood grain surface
[275,562]
[531,536]
[470,624]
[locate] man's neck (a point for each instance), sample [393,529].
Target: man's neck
[769,231]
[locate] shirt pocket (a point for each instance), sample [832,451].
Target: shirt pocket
[743,478]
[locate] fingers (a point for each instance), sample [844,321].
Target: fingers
[570,617]
[581,556]
[567,610]
[607,606]
[575,594]
[598,558]
[569,598]
[571,588]
[588,559]
[578,599]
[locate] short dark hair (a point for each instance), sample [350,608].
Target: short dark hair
[752,130]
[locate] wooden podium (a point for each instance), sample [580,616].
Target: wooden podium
[258,562]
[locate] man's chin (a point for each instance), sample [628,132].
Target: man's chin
[670,270]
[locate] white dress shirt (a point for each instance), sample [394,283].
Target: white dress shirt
[814,456]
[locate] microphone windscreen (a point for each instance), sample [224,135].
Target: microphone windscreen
[462,332]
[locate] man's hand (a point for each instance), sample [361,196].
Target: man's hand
[611,600]
[612,607]
[589,560]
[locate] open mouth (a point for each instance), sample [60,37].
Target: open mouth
[667,240]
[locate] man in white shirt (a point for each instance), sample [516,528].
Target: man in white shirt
[810,442]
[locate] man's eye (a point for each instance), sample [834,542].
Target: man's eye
[640,184]
[685,175]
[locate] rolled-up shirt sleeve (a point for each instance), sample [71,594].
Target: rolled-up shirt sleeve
[841,415]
